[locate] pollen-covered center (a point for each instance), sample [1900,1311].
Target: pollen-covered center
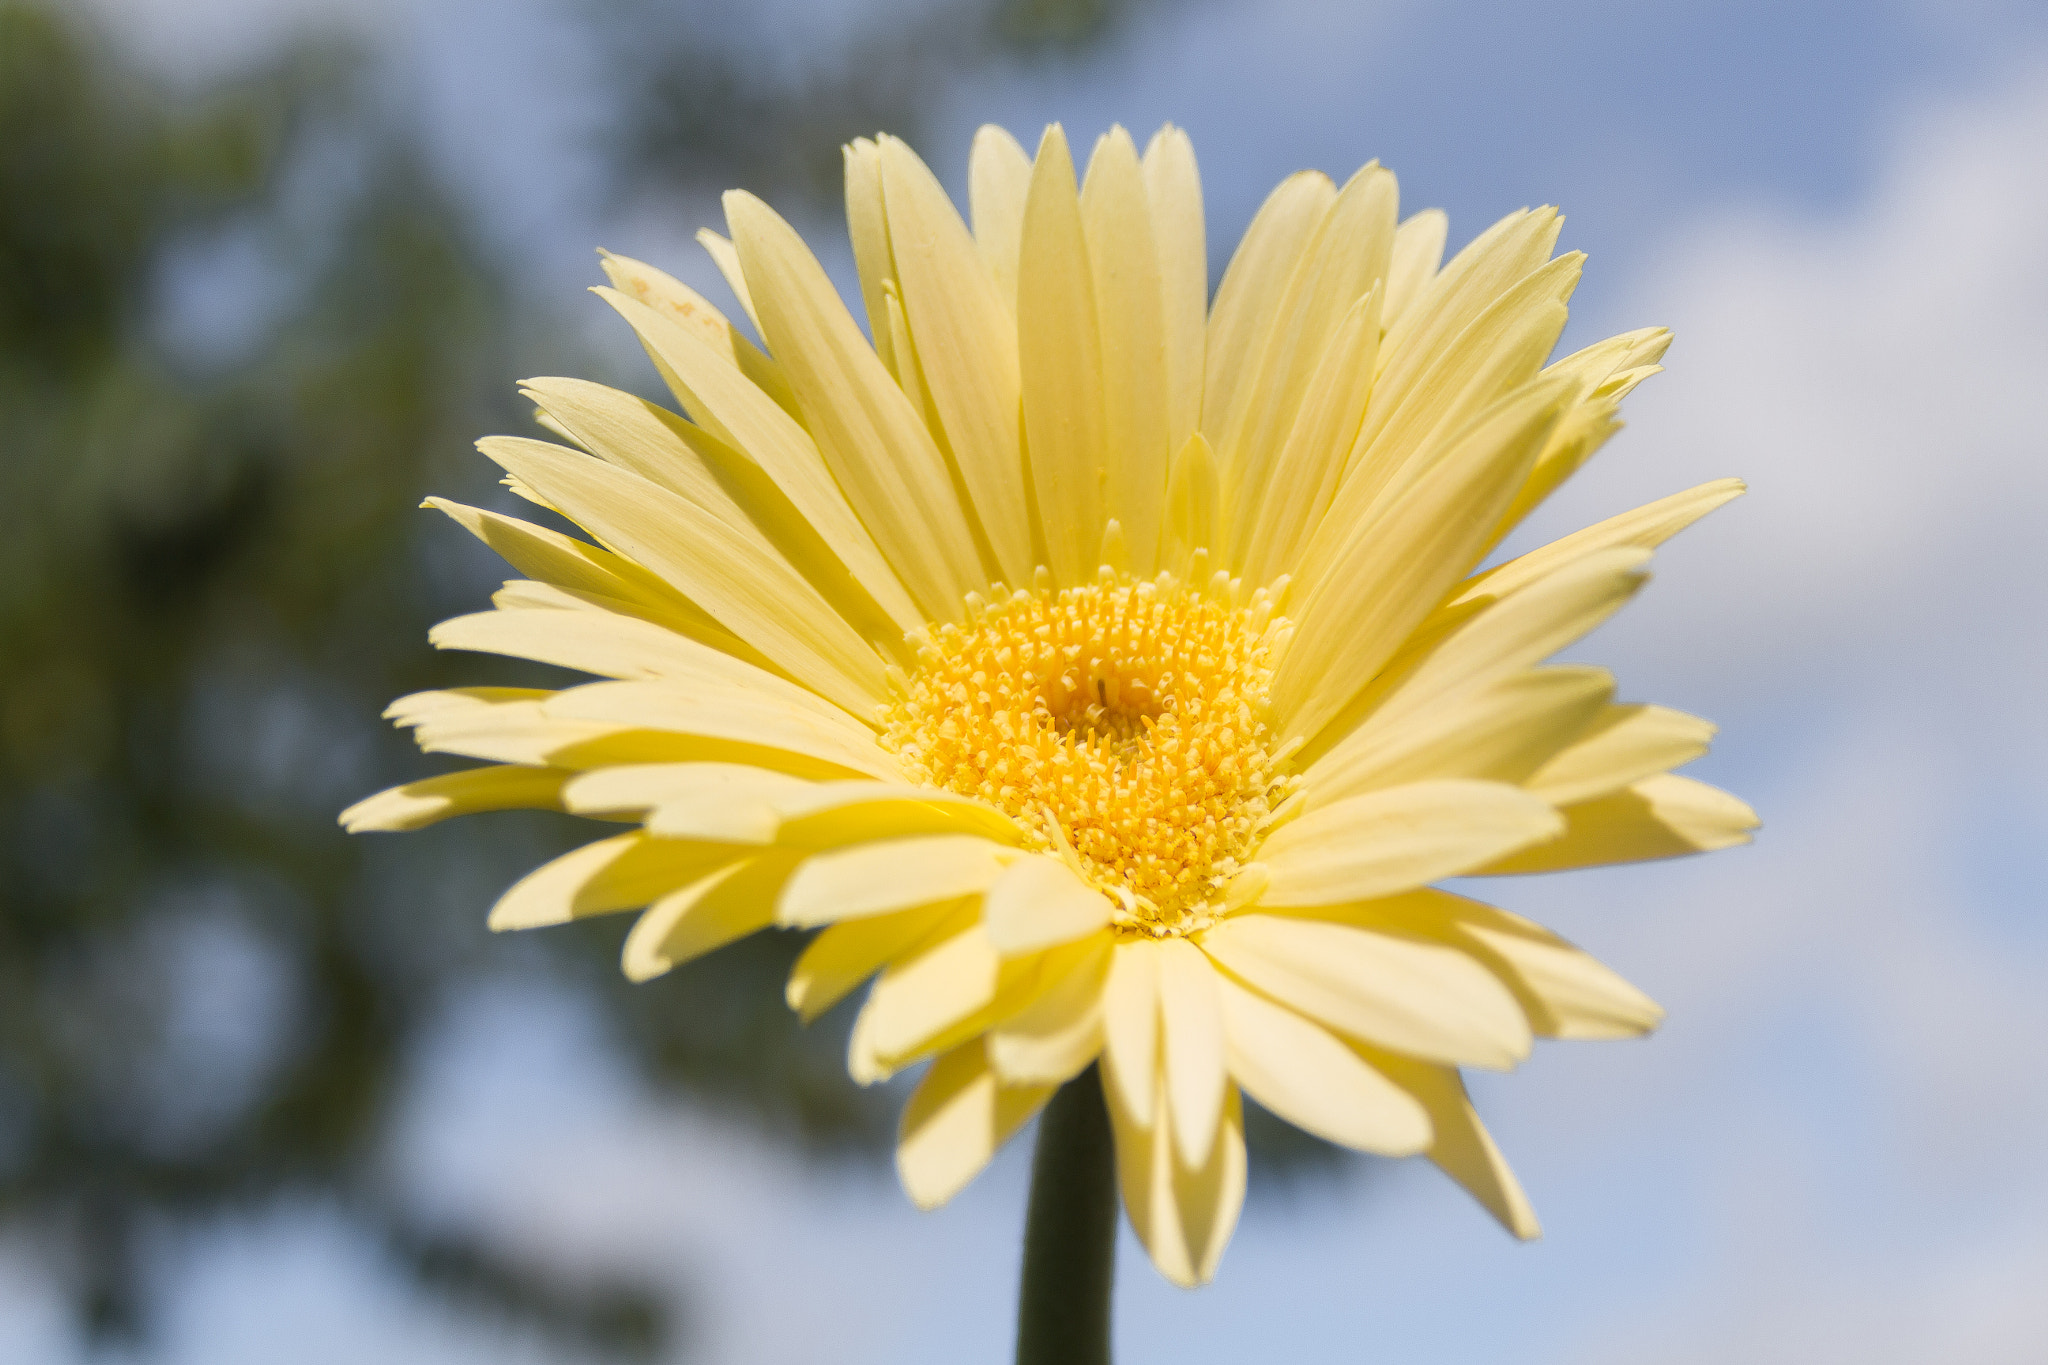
[1122,723]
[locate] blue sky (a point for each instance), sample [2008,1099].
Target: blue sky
[1834,1150]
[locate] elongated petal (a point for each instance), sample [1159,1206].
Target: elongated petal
[966,349]
[623,648]
[833,813]
[666,294]
[867,223]
[1130,310]
[729,904]
[1183,1217]
[1396,565]
[1659,817]
[1418,251]
[1173,186]
[1053,1040]
[620,873]
[593,572]
[731,714]
[767,450]
[1130,1026]
[876,445]
[1563,990]
[1306,470]
[959,1115]
[1462,1146]
[918,999]
[727,259]
[1501,733]
[1191,1029]
[1060,351]
[895,874]
[1644,528]
[998,182]
[1400,837]
[1623,745]
[1253,291]
[1348,258]
[1040,902]
[757,596]
[419,804]
[1419,998]
[1306,1076]
[846,954]
[726,802]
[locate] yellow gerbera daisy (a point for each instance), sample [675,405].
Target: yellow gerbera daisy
[1103,672]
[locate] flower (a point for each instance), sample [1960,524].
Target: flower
[1107,674]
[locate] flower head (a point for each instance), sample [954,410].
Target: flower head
[1106,674]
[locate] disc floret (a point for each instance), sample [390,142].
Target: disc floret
[1123,723]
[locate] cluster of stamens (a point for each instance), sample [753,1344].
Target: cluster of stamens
[1121,723]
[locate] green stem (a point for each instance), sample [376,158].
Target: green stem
[1070,1232]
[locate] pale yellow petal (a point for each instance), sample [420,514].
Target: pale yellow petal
[735,715]
[1418,998]
[1193,502]
[1503,732]
[1418,251]
[895,874]
[1644,528]
[1184,1218]
[622,647]
[1253,289]
[757,596]
[874,442]
[954,1122]
[867,223]
[1395,838]
[727,259]
[844,955]
[1463,1148]
[1304,474]
[1173,187]
[1348,258]
[1041,902]
[620,873]
[1124,258]
[1060,354]
[1055,1038]
[1191,1033]
[1130,1026]
[688,923]
[664,449]
[1623,744]
[1480,642]
[1658,817]
[504,730]
[919,998]
[829,814]
[767,452]
[594,574]
[998,183]
[1488,267]
[1309,1078]
[419,804]
[730,802]
[1395,565]
[1404,432]
[1565,992]
[966,345]
[664,293]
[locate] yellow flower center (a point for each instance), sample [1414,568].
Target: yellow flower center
[1122,723]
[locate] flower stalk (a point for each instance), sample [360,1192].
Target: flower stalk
[1070,1232]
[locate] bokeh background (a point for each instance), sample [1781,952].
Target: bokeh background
[268,1093]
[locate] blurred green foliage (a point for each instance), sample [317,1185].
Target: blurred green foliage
[213,577]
